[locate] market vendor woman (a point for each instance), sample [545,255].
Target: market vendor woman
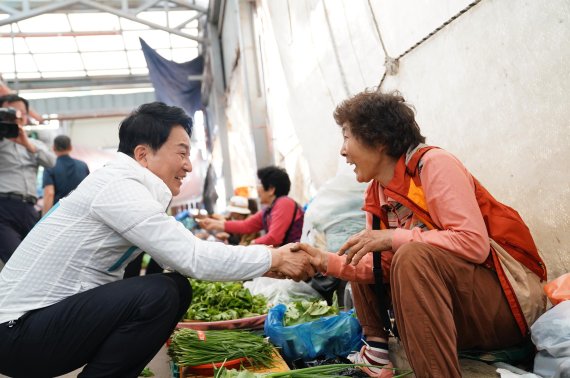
[461,269]
[63,302]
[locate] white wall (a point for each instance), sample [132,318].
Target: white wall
[492,88]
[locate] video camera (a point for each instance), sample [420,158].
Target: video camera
[8,125]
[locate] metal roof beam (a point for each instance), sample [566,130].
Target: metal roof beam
[20,16]
[183,24]
[145,6]
[189,6]
[44,84]
[131,17]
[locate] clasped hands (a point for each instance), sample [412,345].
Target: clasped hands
[301,261]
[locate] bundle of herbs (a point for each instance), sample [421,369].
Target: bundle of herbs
[191,348]
[304,311]
[215,301]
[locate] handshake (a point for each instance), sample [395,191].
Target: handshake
[300,261]
[297,261]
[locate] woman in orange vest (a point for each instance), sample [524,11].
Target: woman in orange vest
[459,269]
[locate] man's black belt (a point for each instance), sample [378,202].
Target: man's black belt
[19,197]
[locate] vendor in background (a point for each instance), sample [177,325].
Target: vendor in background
[282,219]
[240,208]
[460,268]
[20,159]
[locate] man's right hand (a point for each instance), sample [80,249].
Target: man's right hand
[23,139]
[286,263]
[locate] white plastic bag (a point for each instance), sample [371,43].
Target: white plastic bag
[551,335]
[280,291]
[335,211]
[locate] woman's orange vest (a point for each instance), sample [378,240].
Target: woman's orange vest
[504,224]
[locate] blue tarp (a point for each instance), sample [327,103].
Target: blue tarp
[170,80]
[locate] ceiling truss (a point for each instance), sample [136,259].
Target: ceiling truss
[19,10]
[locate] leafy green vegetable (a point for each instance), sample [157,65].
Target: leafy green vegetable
[215,301]
[307,311]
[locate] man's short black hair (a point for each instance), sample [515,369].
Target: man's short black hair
[275,177]
[14,98]
[151,124]
[61,143]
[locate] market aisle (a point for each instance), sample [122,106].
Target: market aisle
[159,366]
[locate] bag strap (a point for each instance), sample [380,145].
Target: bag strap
[379,287]
[291,224]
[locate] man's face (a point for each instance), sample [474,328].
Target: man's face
[171,162]
[18,105]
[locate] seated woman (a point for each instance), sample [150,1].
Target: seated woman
[282,219]
[459,268]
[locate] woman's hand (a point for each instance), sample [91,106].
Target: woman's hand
[319,258]
[358,245]
[210,224]
[288,262]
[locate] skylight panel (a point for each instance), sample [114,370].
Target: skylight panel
[6,62]
[105,60]
[25,63]
[155,38]
[108,72]
[49,22]
[156,17]
[57,74]
[58,62]
[136,59]
[184,55]
[51,44]
[100,43]
[178,41]
[94,21]
[127,24]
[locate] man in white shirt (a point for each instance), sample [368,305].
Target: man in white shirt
[62,299]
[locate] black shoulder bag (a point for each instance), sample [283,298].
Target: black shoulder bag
[379,287]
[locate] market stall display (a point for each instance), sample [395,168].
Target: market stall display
[224,305]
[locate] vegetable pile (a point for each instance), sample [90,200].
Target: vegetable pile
[191,348]
[215,301]
[307,311]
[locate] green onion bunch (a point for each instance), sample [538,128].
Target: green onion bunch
[187,349]
[322,371]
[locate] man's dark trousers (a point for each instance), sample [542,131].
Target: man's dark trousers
[114,329]
[17,218]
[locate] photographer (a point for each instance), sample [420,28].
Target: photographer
[20,158]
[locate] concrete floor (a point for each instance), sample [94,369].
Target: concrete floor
[470,369]
[159,365]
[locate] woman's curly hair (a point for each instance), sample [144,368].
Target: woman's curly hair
[377,118]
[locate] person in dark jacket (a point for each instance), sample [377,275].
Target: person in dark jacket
[64,177]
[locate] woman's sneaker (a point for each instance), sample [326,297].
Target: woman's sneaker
[373,356]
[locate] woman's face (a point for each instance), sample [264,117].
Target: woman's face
[266,197]
[366,160]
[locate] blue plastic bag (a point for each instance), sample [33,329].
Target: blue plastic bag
[328,337]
